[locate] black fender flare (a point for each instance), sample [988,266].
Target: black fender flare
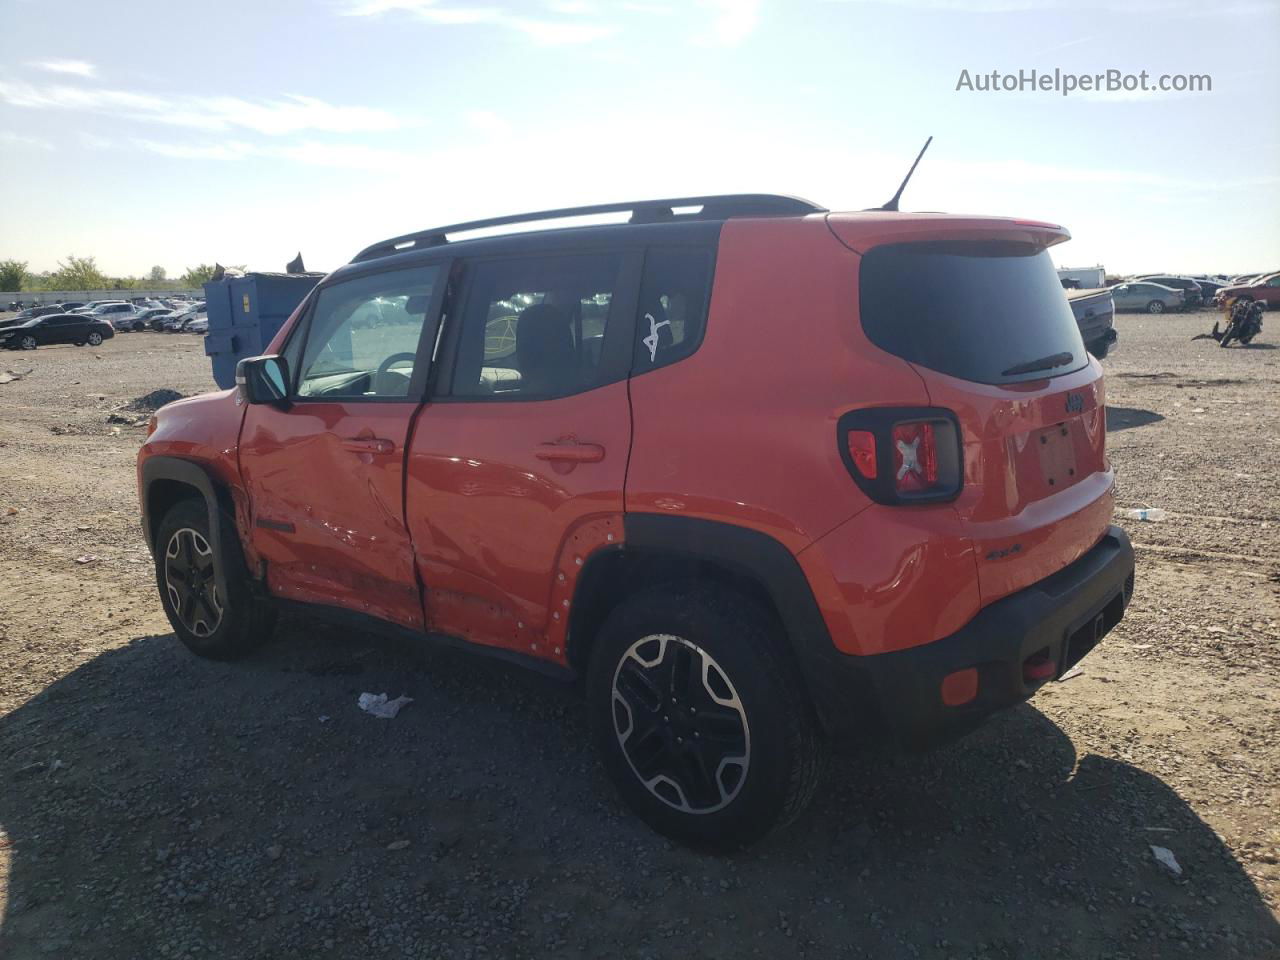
[192,474]
[766,561]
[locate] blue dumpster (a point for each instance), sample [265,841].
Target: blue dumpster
[246,312]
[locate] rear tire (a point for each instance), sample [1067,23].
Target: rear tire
[209,624]
[95,339]
[699,717]
[1155,306]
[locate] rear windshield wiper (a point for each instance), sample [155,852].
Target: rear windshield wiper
[1044,363]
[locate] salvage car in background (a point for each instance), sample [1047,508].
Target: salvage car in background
[93,305]
[1095,312]
[1264,289]
[1148,297]
[144,318]
[71,328]
[1192,295]
[177,323]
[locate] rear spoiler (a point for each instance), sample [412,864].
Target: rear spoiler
[861,231]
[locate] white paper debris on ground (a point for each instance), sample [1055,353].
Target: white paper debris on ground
[1073,672]
[87,558]
[378,704]
[1166,857]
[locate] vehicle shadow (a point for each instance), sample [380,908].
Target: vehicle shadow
[1125,418]
[155,804]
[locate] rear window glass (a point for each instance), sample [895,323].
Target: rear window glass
[986,312]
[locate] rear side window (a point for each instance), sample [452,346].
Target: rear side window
[987,312]
[674,295]
[538,327]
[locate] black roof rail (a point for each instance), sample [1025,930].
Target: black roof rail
[720,207]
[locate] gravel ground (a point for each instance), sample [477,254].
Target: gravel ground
[155,805]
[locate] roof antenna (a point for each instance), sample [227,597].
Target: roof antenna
[892,205]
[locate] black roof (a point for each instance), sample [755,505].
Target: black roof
[708,209]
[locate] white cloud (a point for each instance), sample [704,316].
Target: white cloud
[715,22]
[310,153]
[1179,8]
[547,31]
[732,20]
[23,140]
[288,115]
[486,121]
[79,68]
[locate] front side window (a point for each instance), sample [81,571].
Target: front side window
[363,336]
[537,327]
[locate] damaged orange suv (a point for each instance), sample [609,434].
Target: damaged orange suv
[760,475]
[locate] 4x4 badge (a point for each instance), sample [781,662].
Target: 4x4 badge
[1075,403]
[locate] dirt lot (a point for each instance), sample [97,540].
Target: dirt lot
[154,805]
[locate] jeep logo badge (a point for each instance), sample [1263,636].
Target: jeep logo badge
[1075,403]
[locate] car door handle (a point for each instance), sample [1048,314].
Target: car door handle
[369,445]
[570,452]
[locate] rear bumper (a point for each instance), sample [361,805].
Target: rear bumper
[1053,624]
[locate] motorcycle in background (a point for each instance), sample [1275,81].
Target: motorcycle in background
[1244,322]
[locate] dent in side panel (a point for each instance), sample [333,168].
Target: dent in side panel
[892,578]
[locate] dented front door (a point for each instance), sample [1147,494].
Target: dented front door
[325,473]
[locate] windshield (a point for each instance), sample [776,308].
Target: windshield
[990,312]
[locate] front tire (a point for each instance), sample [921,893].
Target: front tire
[28,342]
[1155,306]
[187,567]
[700,719]
[95,339]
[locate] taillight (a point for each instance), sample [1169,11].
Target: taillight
[862,449]
[902,455]
[915,457]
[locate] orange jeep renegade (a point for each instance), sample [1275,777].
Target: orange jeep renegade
[761,475]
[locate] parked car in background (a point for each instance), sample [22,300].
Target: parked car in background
[199,325]
[1209,289]
[1082,278]
[1265,289]
[1193,296]
[1148,297]
[30,313]
[1095,312]
[93,305]
[74,328]
[177,322]
[111,312]
[144,319]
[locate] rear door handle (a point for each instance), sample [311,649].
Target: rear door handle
[570,452]
[369,445]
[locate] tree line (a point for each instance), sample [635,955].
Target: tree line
[82,273]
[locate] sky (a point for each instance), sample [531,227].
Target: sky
[173,133]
